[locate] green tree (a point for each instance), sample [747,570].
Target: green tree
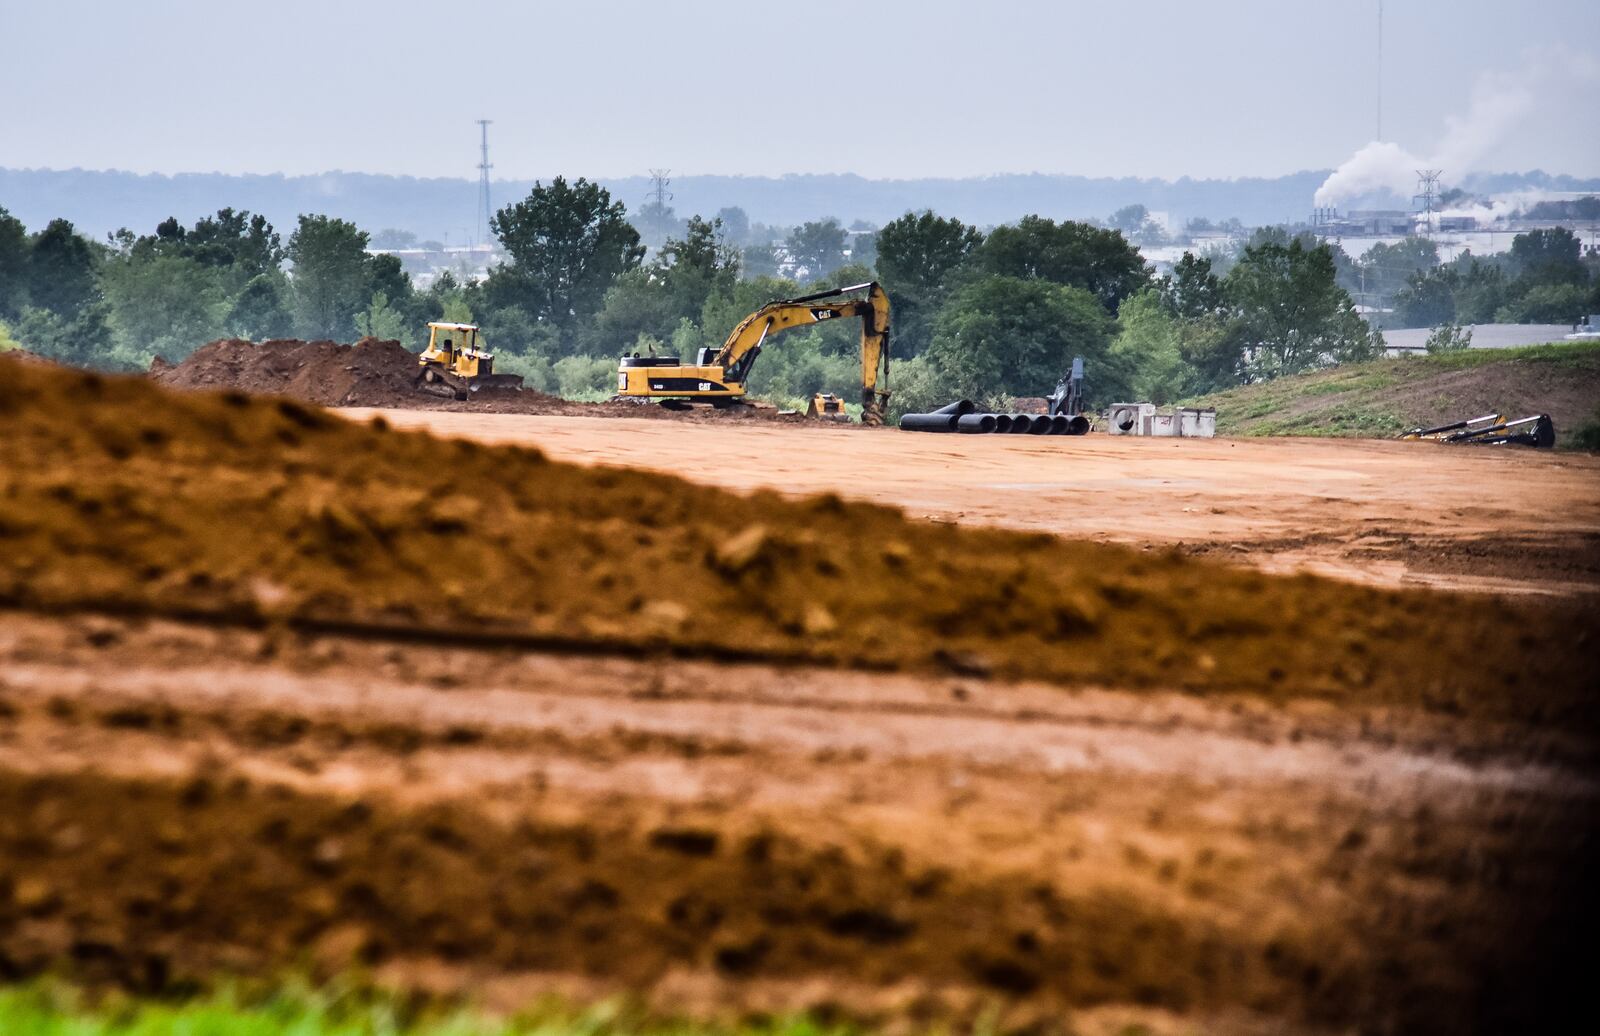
[243,243]
[260,311]
[919,256]
[83,339]
[383,321]
[1447,338]
[1000,336]
[1192,290]
[1385,269]
[1147,348]
[759,260]
[696,266]
[331,277]
[568,244]
[61,270]
[637,303]
[14,254]
[164,305]
[817,248]
[1213,351]
[1295,316]
[1428,299]
[1130,219]
[735,226]
[1548,256]
[1101,262]
[1546,304]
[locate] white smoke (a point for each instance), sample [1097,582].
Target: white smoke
[1499,104]
[1502,206]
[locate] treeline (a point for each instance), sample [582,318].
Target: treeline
[1545,278]
[986,315]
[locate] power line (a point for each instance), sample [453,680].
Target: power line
[485,210]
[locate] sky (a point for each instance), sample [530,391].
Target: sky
[887,89]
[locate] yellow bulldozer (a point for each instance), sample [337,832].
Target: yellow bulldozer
[456,365]
[719,376]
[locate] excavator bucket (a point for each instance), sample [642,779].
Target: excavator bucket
[825,406]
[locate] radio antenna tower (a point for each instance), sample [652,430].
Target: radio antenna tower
[485,210]
[659,179]
[1380,71]
[1427,194]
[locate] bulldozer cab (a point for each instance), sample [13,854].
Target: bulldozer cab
[446,341]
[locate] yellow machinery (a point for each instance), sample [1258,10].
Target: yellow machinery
[718,376]
[825,406]
[455,365]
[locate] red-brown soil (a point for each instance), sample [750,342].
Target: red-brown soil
[278,688]
[379,373]
[1406,514]
[178,801]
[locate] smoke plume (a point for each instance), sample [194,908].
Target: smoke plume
[1500,102]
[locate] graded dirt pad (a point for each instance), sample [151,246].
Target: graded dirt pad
[260,510]
[1401,514]
[379,373]
[178,801]
[742,752]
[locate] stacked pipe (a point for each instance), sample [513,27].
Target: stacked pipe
[962,416]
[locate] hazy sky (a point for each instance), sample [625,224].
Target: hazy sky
[885,89]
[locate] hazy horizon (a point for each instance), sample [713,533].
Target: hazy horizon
[887,91]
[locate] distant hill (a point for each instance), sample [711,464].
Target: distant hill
[444,209]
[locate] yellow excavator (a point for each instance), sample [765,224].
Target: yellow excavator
[719,376]
[455,363]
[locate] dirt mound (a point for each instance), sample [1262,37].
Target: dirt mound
[374,373]
[263,510]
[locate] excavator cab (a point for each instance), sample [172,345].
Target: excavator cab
[455,365]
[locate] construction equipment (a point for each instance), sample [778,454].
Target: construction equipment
[825,406]
[1068,397]
[1537,431]
[719,376]
[453,365]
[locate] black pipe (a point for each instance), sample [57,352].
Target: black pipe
[1077,424]
[1040,425]
[1021,424]
[928,422]
[1002,423]
[959,407]
[975,424]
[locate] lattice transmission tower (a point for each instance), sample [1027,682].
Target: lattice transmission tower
[485,209]
[1427,195]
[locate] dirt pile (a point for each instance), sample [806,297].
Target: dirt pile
[375,373]
[263,511]
[372,372]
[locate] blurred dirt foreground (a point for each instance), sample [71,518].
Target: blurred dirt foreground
[281,690]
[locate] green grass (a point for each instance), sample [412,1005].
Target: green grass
[47,1009]
[1349,401]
